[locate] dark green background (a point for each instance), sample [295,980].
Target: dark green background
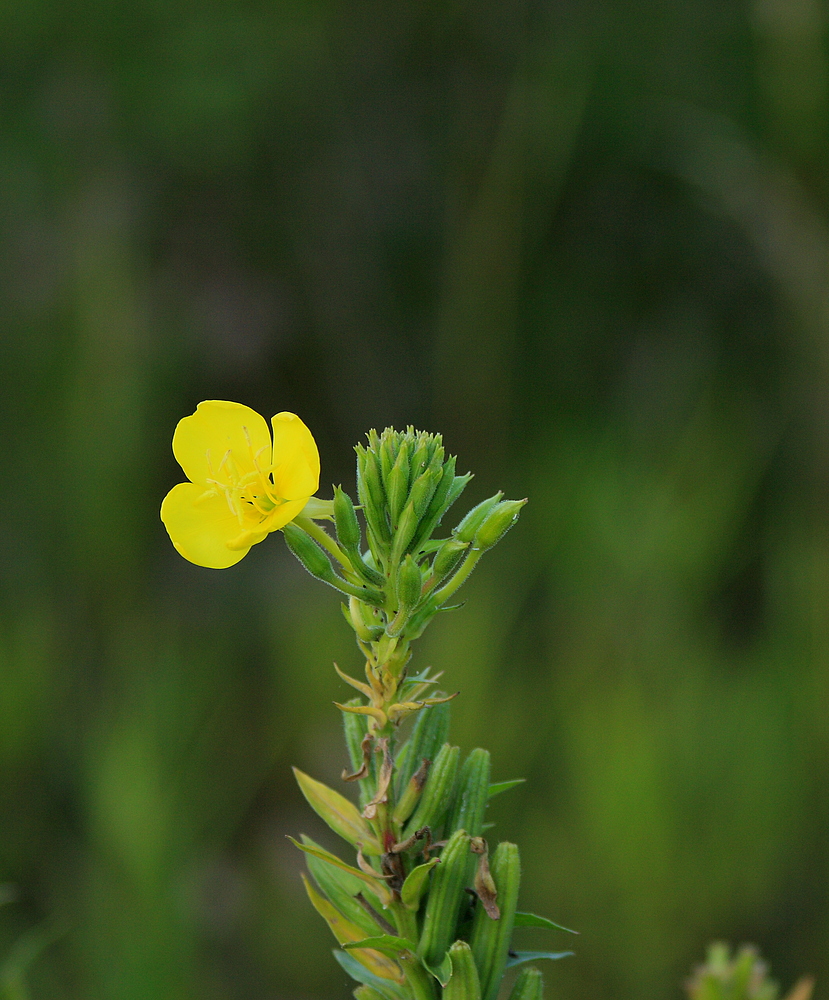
[588,243]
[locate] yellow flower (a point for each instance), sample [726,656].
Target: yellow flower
[242,486]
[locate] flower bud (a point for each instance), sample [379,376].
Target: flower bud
[370,493]
[420,457]
[374,480]
[317,563]
[465,531]
[387,453]
[397,484]
[409,583]
[497,523]
[448,556]
[409,520]
[422,489]
[448,489]
[345,520]
[309,553]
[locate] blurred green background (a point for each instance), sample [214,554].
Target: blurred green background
[587,242]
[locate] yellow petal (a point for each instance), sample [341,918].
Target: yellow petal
[280,515]
[202,527]
[202,440]
[296,460]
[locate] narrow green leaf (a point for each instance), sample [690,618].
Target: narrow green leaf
[519,957]
[443,971]
[352,967]
[415,884]
[340,814]
[364,992]
[341,927]
[374,883]
[531,920]
[504,786]
[386,944]
[347,934]
[342,888]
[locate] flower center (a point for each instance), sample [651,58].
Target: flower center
[249,492]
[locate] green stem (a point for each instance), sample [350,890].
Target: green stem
[326,541]
[442,595]
[420,982]
[406,921]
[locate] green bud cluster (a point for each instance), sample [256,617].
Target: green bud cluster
[405,486]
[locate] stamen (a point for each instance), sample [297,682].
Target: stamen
[237,489]
[263,479]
